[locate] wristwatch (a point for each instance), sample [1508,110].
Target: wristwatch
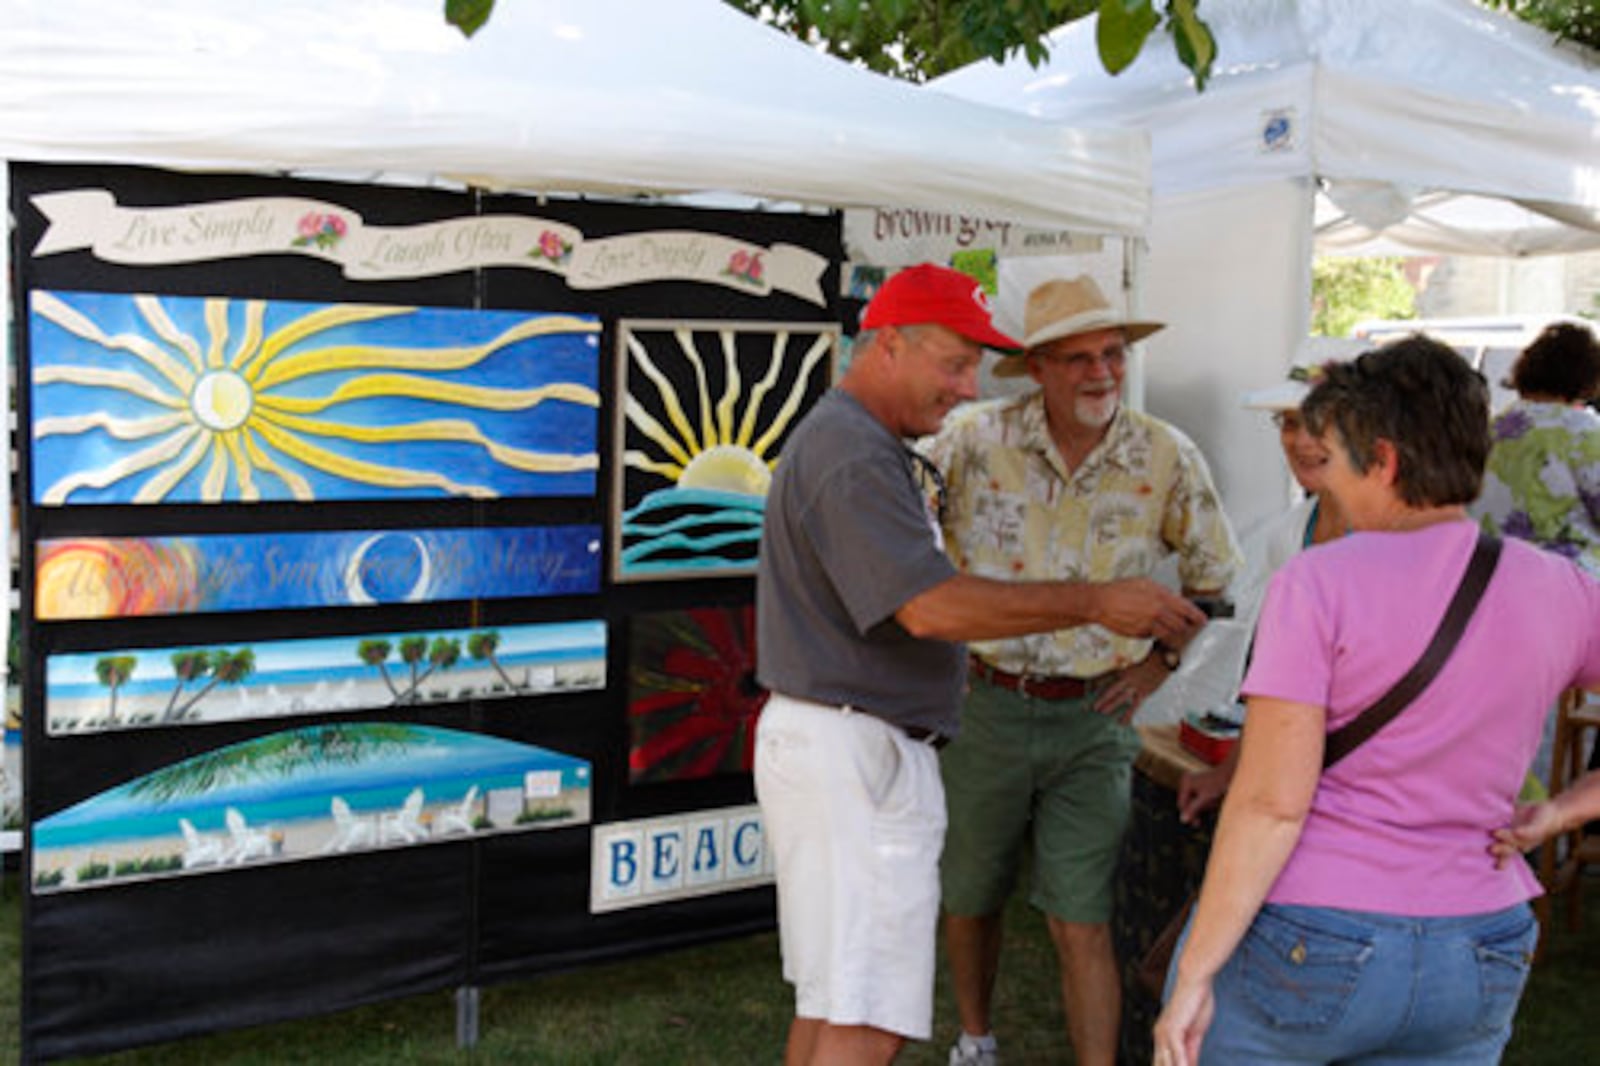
[1170,657]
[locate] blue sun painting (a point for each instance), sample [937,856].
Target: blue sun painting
[308,793]
[122,577]
[706,408]
[175,399]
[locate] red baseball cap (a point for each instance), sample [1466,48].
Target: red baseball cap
[925,293]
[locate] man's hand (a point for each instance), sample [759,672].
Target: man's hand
[1131,688]
[1139,607]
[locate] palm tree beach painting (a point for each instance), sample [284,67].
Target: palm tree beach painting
[146,400]
[148,687]
[309,793]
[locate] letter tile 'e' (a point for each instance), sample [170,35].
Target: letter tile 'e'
[664,850]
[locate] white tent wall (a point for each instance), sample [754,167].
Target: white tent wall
[1394,106]
[1222,269]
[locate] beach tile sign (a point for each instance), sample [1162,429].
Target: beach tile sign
[121,577]
[172,399]
[659,860]
[306,794]
[134,688]
[693,699]
[705,409]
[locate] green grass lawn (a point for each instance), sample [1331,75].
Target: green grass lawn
[726,1003]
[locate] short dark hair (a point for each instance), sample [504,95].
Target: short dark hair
[1422,398]
[1562,361]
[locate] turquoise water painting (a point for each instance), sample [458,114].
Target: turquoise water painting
[305,794]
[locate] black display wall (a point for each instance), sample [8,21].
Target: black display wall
[254,931]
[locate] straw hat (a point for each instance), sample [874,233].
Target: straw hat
[1066,308]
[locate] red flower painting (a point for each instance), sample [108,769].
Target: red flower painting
[692,694]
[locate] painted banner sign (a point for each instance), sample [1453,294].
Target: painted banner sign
[230,229]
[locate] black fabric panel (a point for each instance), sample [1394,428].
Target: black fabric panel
[116,968]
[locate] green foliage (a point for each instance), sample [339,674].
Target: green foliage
[1345,291]
[1569,20]
[468,16]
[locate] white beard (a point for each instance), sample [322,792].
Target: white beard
[1097,412]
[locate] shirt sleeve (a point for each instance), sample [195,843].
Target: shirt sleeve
[874,537]
[1295,641]
[1195,526]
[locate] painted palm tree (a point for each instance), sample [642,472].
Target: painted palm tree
[226,669]
[113,671]
[482,645]
[280,755]
[413,651]
[376,653]
[187,667]
[442,654]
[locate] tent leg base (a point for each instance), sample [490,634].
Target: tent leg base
[466,1017]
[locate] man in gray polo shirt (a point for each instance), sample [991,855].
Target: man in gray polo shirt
[859,615]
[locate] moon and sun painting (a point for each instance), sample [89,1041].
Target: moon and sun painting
[308,793]
[123,577]
[706,407]
[133,688]
[147,400]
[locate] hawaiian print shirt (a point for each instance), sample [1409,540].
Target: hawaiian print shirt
[1543,480]
[1013,511]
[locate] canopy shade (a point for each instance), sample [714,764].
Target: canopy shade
[585,96]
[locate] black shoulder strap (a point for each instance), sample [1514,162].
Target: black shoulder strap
[1354,733]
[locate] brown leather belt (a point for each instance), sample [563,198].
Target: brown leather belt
[1039,688]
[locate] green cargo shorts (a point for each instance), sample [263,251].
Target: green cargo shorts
[1047,779]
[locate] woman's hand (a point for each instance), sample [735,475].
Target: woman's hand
[1531,825]
[1127,693]
[1199,792]
[1183,1023]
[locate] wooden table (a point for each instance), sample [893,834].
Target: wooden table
[1161,863]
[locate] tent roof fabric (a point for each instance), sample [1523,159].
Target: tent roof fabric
[1414,96]
[562,96]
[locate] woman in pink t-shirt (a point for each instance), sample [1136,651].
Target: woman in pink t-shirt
[1358,915]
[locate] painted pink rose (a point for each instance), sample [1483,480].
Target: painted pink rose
[550,244]
[310,224]
[755,267]
[739,263]
[336,225]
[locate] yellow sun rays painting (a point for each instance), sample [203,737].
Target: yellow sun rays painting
[173,399]
[705,408]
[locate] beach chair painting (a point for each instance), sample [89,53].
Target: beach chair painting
[132,688]
[458,818]
[141,399]
[124,577]
[246,842]
[350,830]
[704,412]
[198,849]
[403,826]
[336,789]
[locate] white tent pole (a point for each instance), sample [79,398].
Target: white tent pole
[1132,298]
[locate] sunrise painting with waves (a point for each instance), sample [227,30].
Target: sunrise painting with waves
[175,399]
[706,408]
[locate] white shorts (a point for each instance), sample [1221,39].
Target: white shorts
[854,813]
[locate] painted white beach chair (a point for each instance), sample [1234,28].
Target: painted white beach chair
[458,819]
[403,826]
[248,842]
[350,830]
[198,849]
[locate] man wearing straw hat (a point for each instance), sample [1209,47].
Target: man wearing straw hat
[1060,483]
[858,612]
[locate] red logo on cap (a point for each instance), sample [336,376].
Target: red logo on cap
[981,298]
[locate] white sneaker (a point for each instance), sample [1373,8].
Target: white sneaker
[964,1054]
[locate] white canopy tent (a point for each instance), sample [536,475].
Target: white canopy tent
[1391,110]
[606,97]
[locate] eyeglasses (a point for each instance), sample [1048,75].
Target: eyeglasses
[1289,421]
[1113,357]
[929,482]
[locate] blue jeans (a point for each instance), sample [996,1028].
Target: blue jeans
[1318,985]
